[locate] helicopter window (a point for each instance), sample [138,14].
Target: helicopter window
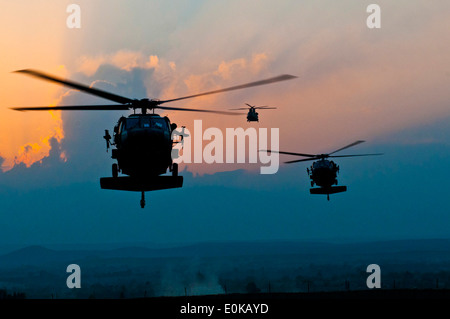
[120,127]
[132,123]
[145,123]
[318,164]
[159,124]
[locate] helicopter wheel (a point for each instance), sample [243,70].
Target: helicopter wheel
[115,170]
[174,169]
[142,200]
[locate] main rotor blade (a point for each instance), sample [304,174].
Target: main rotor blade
[302,160]
[318,157]
[257,107]
[349,145]
[279,78]
[289,153]
[78,86]
[196,110]
[354,155]
[116,107]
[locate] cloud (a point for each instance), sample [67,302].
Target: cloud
[27,154]
[32,152]
[352,80]
[123,59]
[48,171]
[225,73]
[232,69]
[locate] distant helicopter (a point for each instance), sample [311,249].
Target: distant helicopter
[323,172]
[143,142]
[252,115]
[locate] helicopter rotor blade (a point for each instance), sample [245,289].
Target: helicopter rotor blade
[75,85]
[241,108]
[115,107]
[249,105]
[196,110]
[289,153]
[355,155]
[302,160]
[279,78]
[349,145]
[265,107]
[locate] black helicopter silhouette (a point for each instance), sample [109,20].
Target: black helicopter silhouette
[323,172]
[252,115]
[143,142]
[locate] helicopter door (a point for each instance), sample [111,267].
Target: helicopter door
[118,130]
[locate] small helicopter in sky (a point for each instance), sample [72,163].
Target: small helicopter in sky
[252,115]
[323,172]
[143,142]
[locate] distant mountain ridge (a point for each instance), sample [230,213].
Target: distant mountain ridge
[39,255]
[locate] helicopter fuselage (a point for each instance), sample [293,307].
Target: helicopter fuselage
[252,116]
[323,173]
[143,145]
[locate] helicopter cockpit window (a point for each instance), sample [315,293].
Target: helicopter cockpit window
[159,123]
[121,127]
[132,123]
[319,164]
[145,123]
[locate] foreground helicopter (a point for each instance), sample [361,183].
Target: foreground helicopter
[143,142]
[323,172]
[252,115]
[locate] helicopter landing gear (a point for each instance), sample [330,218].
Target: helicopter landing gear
[174,169]
[115,170]
[142,199]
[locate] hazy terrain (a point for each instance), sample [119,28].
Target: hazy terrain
[219,268]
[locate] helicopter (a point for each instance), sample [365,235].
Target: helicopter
[252,115]
[323,172]
[143,142]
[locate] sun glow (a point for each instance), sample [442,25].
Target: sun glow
[25,137]
[32,152]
